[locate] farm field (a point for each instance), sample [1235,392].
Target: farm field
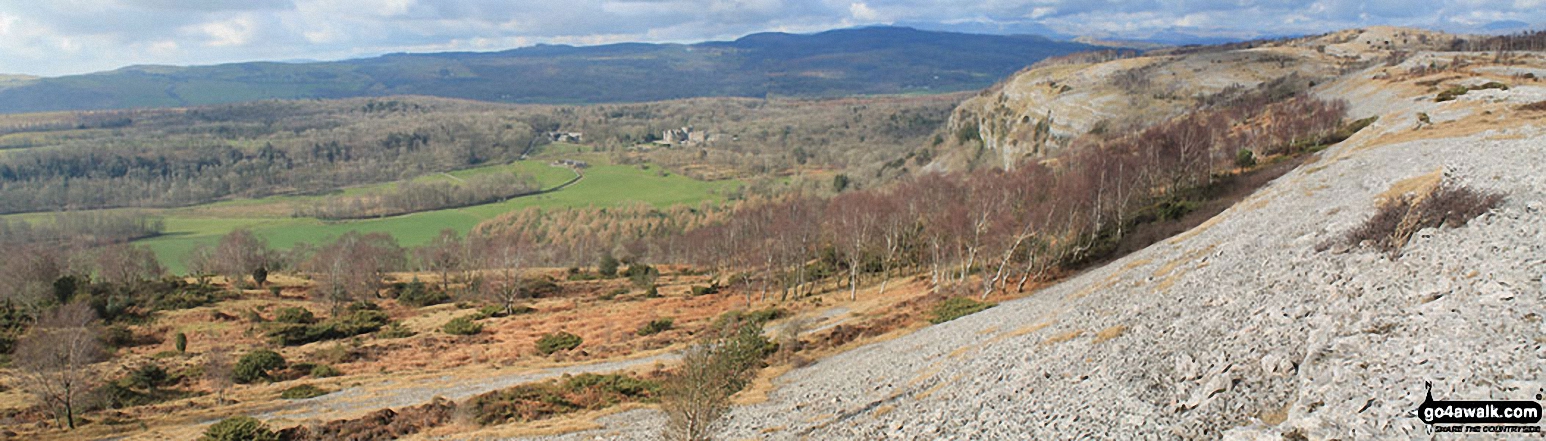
[603,185]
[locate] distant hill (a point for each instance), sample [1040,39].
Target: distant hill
[871,60]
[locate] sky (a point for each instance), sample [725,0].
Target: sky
[60,37]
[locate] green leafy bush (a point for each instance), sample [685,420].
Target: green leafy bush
[1244,158]
[324,371]
[956,307]
[257,366]
[359,321]
[295,314]
[705,290]
[541,400]
[180,341]
[559,341]
[656,326]
[642,275]
[303,391]
[149,377]
[118,336]
[362,305]
[652,293]
[496,311]
[756,317]
[462,326]
[607,267]
[239,428]
[184,298]
[418,295]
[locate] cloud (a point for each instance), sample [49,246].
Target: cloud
[75,36]
[862,12]
[227,33]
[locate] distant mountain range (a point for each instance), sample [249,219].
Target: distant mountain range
[870,60]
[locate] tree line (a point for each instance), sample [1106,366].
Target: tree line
[80,228]
[415,196]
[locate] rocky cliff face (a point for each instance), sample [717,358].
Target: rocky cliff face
[1039,110]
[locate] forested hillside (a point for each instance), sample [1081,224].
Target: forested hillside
[877,60]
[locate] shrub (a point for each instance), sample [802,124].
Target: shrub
[303,391]
[118,336]
[418,295]
[1394,223]
[324,371]
[652,293]
[697,395]
[1245,159]
[1491,85]
[1451,93]
[535,401]
[497,311]
[490,311]
[956,307]
[757,317]
[149,377]
[704,290]
[295,314]
[180,341]
[185,298]
[642,275]
[358,321]
[559,341]
[362,305]
[239,428]
[256,366]
[656,326]
[607,267]
[462,326]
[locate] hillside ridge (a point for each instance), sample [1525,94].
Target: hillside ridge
[871,60]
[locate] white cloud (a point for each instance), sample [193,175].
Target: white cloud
[862,12]
[233,32]
[74,36]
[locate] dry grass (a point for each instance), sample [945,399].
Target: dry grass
[1060,338]
[1422,183]
[1109,333]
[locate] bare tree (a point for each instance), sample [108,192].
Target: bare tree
[446,254]
[504,256]
[28,275]
[241,253]
[217,370]
[354,265]
[55,357]
[125,264]
[853,218]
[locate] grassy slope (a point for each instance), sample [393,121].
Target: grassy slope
[603,185]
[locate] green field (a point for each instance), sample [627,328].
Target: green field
[603,185]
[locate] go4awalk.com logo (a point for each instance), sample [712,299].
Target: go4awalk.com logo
[1487,416]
